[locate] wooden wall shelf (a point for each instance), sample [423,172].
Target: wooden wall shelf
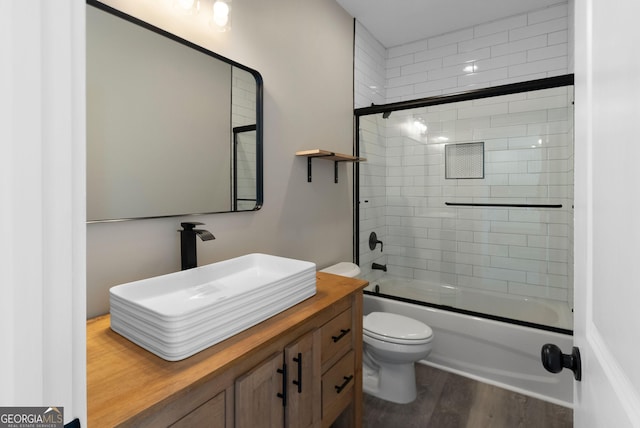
[327,155]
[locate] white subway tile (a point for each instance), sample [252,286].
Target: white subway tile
[436,85]
[502,61]
[531,290]
[500,238]
[533,104]
[480,42]
[546,279]
[466,57]
[483,249]
[421,67]
[399,61]
[450,38]
[500,132]
[540,28]
[488,284]
[482,111]
[548,14]
[407,49]
[500,25]
[409,262]
[435,244]
[445,267]
[526,265]
[519,227]
[558,37]
[439,52]
[519,45]
[501,274]
[553,51]
[481,76]
[466,258]
[559,63]
[398,92]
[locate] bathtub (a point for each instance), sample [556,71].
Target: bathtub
[495,352]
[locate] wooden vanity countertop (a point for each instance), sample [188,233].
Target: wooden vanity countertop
[125,380]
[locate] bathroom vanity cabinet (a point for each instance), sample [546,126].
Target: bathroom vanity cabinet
[300,368]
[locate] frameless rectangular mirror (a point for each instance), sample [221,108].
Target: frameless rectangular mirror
[172,128]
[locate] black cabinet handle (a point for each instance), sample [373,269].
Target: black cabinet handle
[299,380]
[343,333]
[283,395]
[339,388]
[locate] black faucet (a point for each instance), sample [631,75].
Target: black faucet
[379,267]
[188,243]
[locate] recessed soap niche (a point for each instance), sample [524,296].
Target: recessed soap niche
[464,160]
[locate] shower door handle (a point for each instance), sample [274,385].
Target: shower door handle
[554,360]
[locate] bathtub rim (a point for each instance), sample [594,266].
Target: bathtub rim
[472,313]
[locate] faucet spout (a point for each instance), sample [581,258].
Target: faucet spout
[189,257]
[205,235]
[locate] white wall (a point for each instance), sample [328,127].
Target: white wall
[304,51]
[42,205]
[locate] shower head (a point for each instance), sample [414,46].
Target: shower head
[386,114]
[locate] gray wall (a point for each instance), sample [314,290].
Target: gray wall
[304,51]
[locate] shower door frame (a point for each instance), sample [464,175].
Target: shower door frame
[513,88]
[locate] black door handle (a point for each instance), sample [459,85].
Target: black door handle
[298,382]
[554,360]
[283,395]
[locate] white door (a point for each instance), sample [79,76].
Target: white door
[607,212]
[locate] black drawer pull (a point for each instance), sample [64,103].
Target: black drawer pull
[343,333]
[339,388]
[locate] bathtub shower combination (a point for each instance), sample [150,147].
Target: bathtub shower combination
[470,197]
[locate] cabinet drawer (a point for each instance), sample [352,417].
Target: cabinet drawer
[337,336]
[337,386]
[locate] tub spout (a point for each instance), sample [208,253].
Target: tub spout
[379,267]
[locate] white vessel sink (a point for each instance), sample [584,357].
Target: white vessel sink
[179,314]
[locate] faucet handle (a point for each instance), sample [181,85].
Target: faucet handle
[189,225]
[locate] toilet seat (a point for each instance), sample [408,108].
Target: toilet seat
[396,328]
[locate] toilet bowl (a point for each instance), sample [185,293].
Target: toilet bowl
[392,344]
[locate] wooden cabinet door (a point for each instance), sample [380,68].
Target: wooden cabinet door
[258,404]
[304,391]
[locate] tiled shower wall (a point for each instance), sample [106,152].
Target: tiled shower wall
[519,251]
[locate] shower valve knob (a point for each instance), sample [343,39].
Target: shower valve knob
[554,360]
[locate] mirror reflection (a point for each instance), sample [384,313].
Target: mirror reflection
[172,129]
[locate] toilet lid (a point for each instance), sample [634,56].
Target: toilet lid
[343,268]
[396,328]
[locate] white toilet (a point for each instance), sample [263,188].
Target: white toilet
[392,345]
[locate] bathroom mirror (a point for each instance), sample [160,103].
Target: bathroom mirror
[172,128]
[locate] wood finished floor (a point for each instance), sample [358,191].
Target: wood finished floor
[447,400]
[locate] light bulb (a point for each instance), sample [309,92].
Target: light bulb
[221,12]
